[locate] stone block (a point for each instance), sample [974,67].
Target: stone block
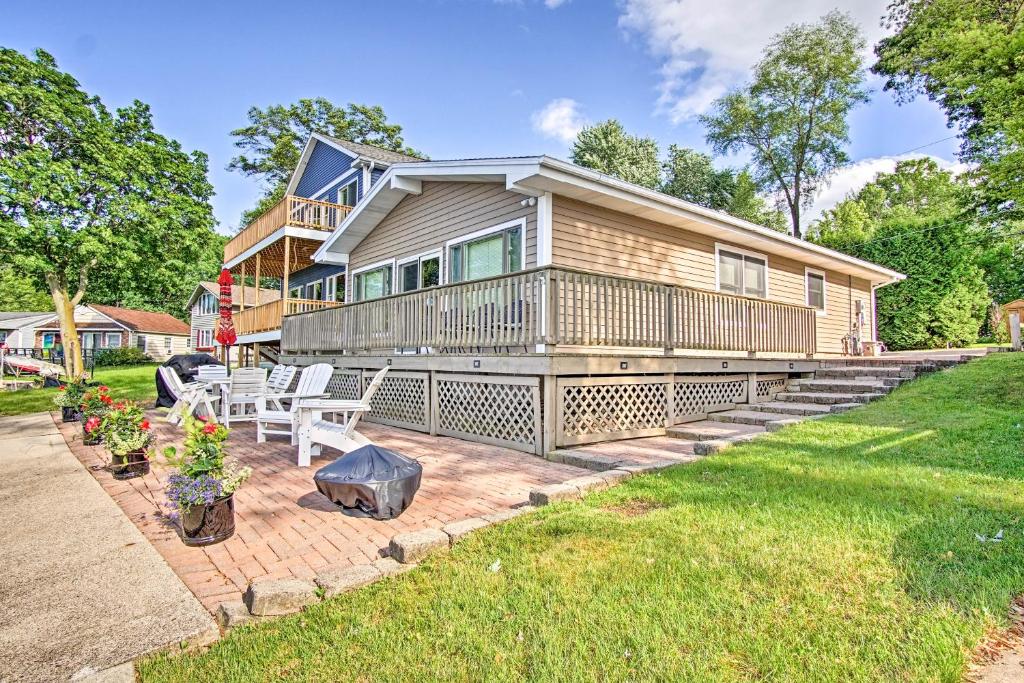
[554,493]
[274,597]
[389,566]
[460,529]
[588,483]
[416,545]
[338,580]
[232,614]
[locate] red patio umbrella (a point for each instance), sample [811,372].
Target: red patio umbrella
[226,327]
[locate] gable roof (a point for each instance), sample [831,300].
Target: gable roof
[359,152]
[144,321]
[539,175]
[10,320]
[264,294]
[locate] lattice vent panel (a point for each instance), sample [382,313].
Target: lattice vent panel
[612,408]
[767,388]
[344,385]
[402,400]
[501,413]
[694,398]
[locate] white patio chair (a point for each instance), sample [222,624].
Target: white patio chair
[278,383]
[312,384]
[204,373]
[248,387]
[314,431]
[187,397]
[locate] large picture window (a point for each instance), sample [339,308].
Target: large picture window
[742,273]
[497,251]
[815,289]
[372,283]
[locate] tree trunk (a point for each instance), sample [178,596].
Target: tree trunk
[794,208]
[73,366]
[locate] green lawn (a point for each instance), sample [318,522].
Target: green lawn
[837,550]
[137,383]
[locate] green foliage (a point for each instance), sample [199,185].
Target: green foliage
[608,148]
[792,116]
[120,357]
[965,55]
[19,293]
[125,429]
[272,143]
[135,382]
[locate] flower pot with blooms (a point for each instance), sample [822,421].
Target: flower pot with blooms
[126,433]
[95,404]
[69,399]
[202,491]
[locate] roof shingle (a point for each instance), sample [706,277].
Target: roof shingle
[374,152]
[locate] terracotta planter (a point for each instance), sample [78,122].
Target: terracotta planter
[70,415]
[209,524]
[135,464]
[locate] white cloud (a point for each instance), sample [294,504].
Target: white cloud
[706,48]
[858,174]
[560,119]
[554,4]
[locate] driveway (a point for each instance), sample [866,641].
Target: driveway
[81,589]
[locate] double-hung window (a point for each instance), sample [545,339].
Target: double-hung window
[419,272]
[113,340]
[315,290]
[347,194]
[815,283]
[372,283]
[742,273]
[495,251]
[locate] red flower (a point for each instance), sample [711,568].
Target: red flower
[144,425]
[201,418]
[106,399]
[91,424]
[103,388]
[61,388]
[119,405]
[210,428]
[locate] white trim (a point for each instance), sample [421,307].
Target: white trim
[721,246]
[823,311]
[438,253]
[545,236]
[303,233]
[343,176]
[351,274]
[474,236]
[272,335]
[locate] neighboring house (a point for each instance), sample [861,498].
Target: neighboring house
[159,335]
[18,328]
[204,305]
[332,177]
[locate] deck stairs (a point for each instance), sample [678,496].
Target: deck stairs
[837,386]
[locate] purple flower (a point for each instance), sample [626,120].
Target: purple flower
[185,492]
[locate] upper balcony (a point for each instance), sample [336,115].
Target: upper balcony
[284,238]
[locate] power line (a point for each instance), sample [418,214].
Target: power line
[927,144]
[934,227]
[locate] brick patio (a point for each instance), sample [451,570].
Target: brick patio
[284,527]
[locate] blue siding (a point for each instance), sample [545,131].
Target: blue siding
[316,272]
[331,195]
[325,164]
[375,175]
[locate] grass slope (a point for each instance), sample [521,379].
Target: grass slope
[836,550]
[137,383]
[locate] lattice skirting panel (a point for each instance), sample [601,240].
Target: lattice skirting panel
[695,397]
[503,411]
[403,400]
[594,409]
[769,385]
[345,385]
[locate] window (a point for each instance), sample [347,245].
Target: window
[208,304]
[372,283]
[315,290]
[496,252]
[3,336]
[742,273]
[419,272]
[347,194]
[168,344]
[140,342]
[331,288]
[92,340]
[815,289]
[295,292]
[113,340]
[48,340]
[204,339]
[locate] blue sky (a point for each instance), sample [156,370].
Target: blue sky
[464,78]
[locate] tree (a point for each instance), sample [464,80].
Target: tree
[86,192]
[966,56]
[606,147]
[272,143]
[792,116]
[18,293]
[747,203]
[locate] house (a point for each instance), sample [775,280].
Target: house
[204,305]
[535,304]
[332,177]
[18,328]
[159,335]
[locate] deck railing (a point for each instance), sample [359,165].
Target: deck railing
[294,211]
[267,317]
[557,306]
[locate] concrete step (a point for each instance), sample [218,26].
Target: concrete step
[747,417]
[792,408]
[860,371]
[708,430]
[828,398]
[876,362]
[842,386]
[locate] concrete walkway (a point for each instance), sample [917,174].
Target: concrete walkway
[81,590]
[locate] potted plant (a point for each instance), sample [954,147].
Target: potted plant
[95,404]
[69,399]
[202,491]
[126,433]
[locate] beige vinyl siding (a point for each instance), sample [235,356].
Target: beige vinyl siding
[155,345]
[593,238]
[444,211]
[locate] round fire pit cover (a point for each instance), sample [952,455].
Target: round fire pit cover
[370,482]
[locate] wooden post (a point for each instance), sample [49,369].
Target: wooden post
[241,299]
[256,355]
[257,283]
[287,263]
[549,387]
[1015,340]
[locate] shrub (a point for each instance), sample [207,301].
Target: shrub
[126,355]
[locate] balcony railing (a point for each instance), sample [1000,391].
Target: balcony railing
[267,318]
[556,306]
[294,211]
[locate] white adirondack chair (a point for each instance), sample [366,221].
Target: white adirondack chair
[314,431]
[312,384]
[248,387]
[280,379]
[187,397]
[204,373]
